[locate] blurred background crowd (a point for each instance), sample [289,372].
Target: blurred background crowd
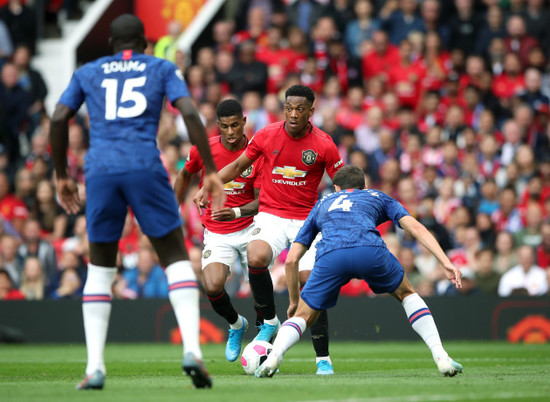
[444,104]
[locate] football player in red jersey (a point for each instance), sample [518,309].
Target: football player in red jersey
[228,229]
[296,155]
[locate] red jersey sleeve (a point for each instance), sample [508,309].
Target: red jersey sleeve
[333,161]
[259,169]
[255,147]
[193,164]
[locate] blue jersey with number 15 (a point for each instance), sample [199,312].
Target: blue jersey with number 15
[349,219]
[124,94]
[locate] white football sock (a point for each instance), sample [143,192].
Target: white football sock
[184,296]
[289,334]
[423,323]
[96,310]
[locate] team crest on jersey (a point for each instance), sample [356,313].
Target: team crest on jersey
[246,172]
[309,157]
[256,231]
[207,254]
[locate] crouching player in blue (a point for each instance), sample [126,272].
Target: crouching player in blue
[352,248]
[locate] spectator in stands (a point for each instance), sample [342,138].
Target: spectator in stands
[532,94]
[508,216]
[405,77]
[12,209]
[362,28]
[32,82]
[222,33]
[526,275]
[487,278]
[34,246]
[464,26]
[21,22]
[430,11]
[536,17]
[25,187]
[350,114]
[304,14]
[166,47]
[543,249]
[146,280]
[8,255]
[14,102]
[518,42]
[511,82]
[368,133]
[7,290]
[76,151]
[530,234]
[401,21]
[506,254]
[492,28]
[278,59]
[70,286]
[39,148]
[33,281]
[247,74]
[46,210]
[381,58]
[512,141]
[6,47]
[344,66]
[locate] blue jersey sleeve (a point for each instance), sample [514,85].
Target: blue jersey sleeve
[394,209]
[309,230]
[175,86]
[73,97]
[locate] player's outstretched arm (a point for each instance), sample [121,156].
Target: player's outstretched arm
[424,236]
[182,184]
[67,191]
[211,183]
[296,252]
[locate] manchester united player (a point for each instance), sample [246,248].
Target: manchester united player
[228,229]
[296,154]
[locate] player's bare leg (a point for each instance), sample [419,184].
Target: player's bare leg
[289,334]
[96,310]
[260,254]
[423,323]
[184,297]
[319,336]
[214,277]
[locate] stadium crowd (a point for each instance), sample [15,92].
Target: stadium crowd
[444,105]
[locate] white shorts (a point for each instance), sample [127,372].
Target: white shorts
[226,248]
[279,233]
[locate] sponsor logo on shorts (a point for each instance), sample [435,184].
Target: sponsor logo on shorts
[309,157]
[256,231]
[246,172]
[207,254]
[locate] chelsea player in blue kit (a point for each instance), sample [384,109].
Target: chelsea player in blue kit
[351,247]
[125,94]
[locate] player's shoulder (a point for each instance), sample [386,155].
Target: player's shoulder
[272,128]
[321,136]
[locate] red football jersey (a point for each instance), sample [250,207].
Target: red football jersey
[292,168]
[239,191]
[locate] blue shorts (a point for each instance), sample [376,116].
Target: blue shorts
[375,265]
[149,194]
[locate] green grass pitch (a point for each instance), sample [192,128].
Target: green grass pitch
[376,372]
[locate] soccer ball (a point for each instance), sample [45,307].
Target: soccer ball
[254,355]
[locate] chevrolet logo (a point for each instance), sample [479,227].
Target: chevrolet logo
[233,185]
[289,172]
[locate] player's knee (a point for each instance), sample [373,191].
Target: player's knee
[213,285]
[258,256]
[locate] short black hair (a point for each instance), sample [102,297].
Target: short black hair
[127,28]
[301,90]
[349,176]
[229,107]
